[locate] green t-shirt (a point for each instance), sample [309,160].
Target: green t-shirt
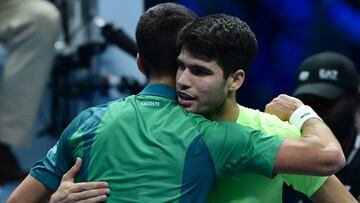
[149,149]
[251,188]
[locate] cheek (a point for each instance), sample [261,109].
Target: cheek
[211,93]
[204,88]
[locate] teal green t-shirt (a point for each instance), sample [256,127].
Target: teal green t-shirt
[150,150]
[251,188]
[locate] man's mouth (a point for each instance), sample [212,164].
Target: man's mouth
[185,96]
[185,99]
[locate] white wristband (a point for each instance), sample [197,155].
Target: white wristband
[302,114]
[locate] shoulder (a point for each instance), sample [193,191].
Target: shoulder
[267,123]
[88,118]
[229,133]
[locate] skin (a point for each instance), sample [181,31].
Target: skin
[30,190]
[194,73]
[33,191]
[202,89]
[338,114]
[209,92]
[190,80]
[82,192]
[283,106]
[332,191]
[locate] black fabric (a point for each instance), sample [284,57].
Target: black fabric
[10,169]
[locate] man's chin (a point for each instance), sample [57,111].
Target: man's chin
[189,109]
[193,110]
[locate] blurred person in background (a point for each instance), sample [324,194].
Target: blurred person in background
[28,30]
[328,82]
[353,160]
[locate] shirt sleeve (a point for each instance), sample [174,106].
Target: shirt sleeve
[271,124]
[239,149]
[58,159]
[305,184]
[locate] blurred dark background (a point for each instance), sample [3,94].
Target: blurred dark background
[287,31]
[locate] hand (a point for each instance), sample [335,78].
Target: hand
[283,106]
[70,192]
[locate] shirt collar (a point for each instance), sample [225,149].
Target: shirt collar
[161,90]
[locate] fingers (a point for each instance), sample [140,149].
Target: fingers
[101,198]
[93,195]
[282,106]
[71,174]
[69,191]
[83,186]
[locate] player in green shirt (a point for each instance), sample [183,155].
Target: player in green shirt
[205,151]
[250,187]
[207,45]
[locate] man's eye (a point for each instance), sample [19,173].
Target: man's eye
[181,66]
[200,72]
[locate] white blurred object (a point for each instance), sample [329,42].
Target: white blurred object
[354,150]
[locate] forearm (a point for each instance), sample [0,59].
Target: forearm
[317,152]
[332,191]
[324,148]
[30,191]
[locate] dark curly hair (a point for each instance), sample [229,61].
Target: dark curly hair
[220,37]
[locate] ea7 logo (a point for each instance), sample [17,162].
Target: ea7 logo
[327,74]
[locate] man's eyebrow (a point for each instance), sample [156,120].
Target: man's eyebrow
[193,66]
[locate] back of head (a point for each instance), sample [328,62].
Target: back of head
[220,37]
[327,75]
[156,34]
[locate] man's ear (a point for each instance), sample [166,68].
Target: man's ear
[235,80]
[139,64]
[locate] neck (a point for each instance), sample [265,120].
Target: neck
[228,112]
[168,80]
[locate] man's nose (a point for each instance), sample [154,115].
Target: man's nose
[184,81]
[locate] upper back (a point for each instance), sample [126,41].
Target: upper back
[143,147]
[150,150]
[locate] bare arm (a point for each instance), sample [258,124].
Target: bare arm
[317,152]
[31,191]
[332,191]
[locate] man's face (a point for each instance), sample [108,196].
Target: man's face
[200,84]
